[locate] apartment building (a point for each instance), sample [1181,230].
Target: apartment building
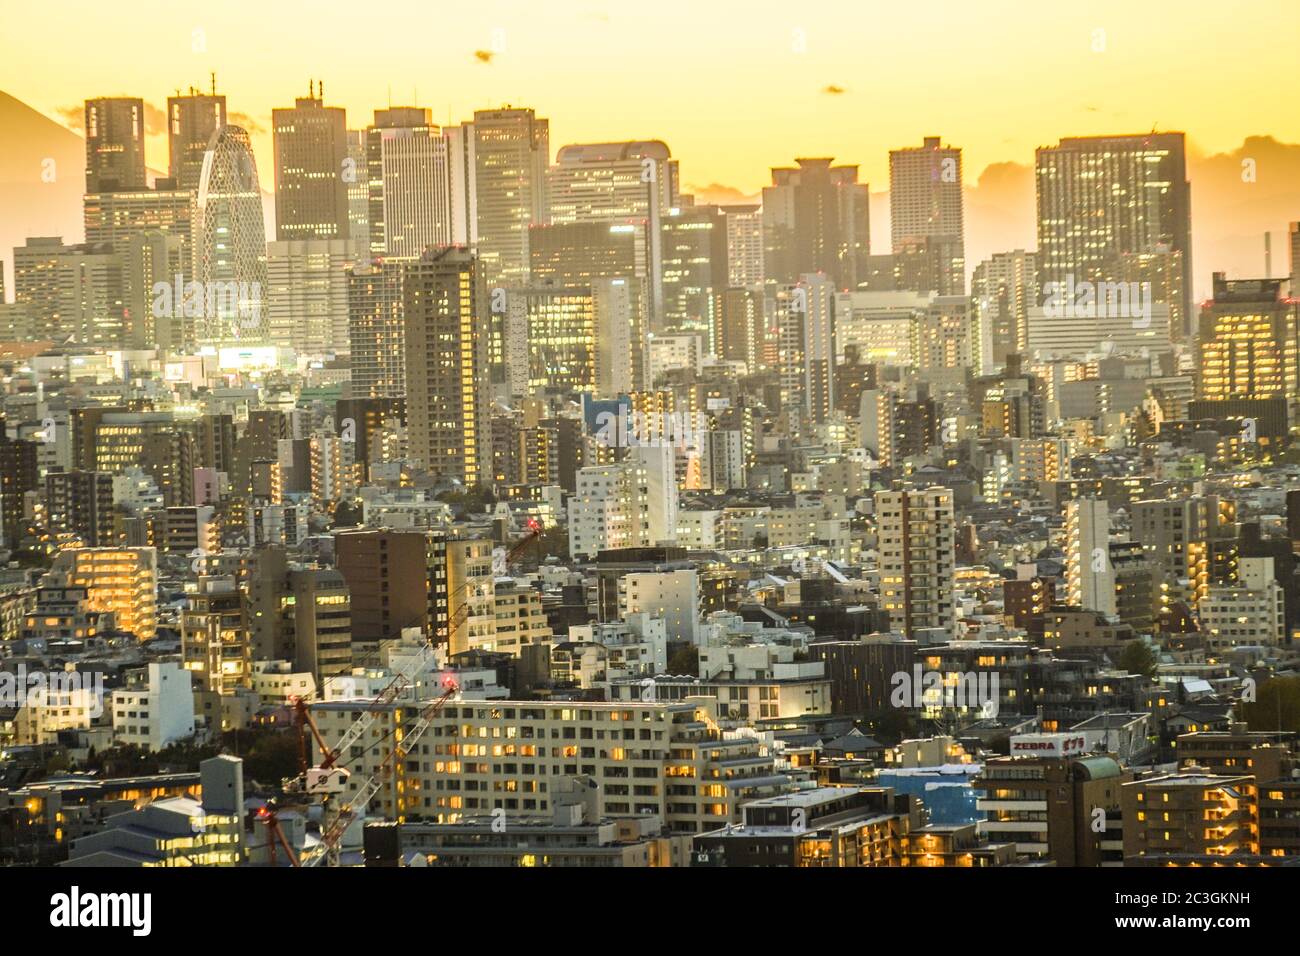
[482,756]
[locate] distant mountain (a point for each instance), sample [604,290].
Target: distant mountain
[42,179]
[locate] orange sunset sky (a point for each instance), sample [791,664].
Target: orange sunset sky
[737,87]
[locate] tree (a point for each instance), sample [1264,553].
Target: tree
[1276,705]
[1138,658]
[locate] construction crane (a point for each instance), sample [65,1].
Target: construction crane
[328,779]
[335,828]
[324,778]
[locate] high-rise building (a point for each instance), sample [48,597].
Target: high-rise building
[744,245]
[925,211]
[1089,574]
[1003,289]
[192,121]
[1247,341]
[916,530]
[120,581]
[1101,197]
[307,294]
[80,503]
[410,189]
[229,244]
[694,265]
[114,144]
[739,325]
[311,149]
[805,318]
[618,182]
[376,330]
[446,335]
[511,152]
[816,219]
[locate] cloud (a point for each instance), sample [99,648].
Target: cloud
[253,127]
[834,90]
[73,117]
[723,195]
[484,56]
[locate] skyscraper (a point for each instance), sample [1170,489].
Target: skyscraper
[191,121]
[744,245]
[511,151]
[1101,197]
[694,257]
[376,330]
[1247,341]
[114,144]
[311,147]
[446,365]
[409,174]
[816,219]
[807,346]
[925,212]
[229,242]
[618,182]
[1003,289]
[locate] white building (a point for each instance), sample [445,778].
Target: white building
[627,504]
[1089,573]
[673,596]
[156,708]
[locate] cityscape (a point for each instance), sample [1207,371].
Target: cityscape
[392,477]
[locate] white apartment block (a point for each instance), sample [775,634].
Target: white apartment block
[671,596]
[627,504]
[155,709]
[1089,573]
[917,563]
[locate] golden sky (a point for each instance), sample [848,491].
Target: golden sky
[733,86]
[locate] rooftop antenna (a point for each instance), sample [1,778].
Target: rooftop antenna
[213,74]
[320,89]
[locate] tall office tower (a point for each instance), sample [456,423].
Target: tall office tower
[151,230]
[464,184]
[694,240]
[549,341]
[311,150]
[1003,289]
[916,530]
[307,294]
[376,330]
[816,219]
[597,254]
[149,258]
[744,245]
[1100,197]
[356,178]
[192,121]
[409,174]
[1293,242]
[738,327]
[114,144]
[446,332]
[511,151]
[114,217]
[805,318]
[1089,573]
[618,182]
[1247,341]
[72,292]
[925,212]
[230,242]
